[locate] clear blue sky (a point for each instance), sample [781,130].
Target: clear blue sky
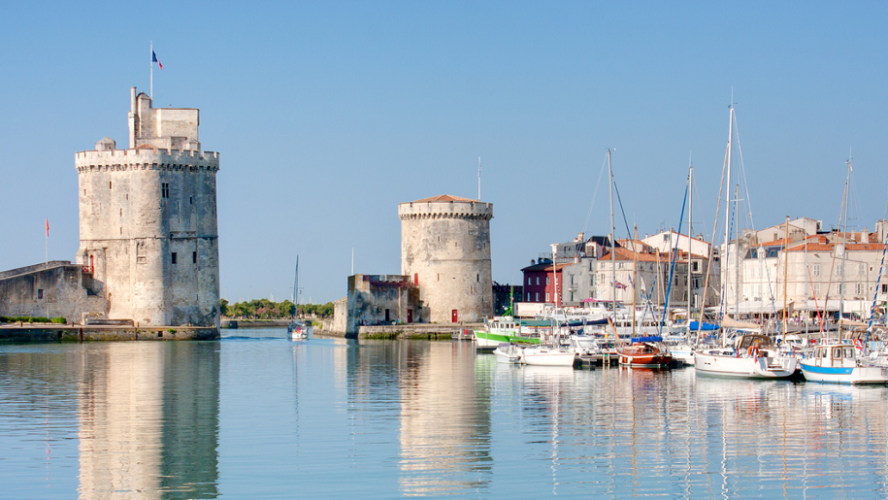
[328,114]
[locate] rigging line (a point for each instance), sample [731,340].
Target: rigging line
[752,220]
[684,202]
[743,172]
[620,201]
[595,194]
[721,187]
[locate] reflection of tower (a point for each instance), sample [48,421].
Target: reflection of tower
[445,425]
[149,421]
[120,424]
[445,249]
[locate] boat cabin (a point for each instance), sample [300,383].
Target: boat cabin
[842,355]
[761,342]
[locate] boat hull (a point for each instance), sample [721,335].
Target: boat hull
[508,354]
[645,360]
[484,339]
[546,357]
[743,367]
[845,375]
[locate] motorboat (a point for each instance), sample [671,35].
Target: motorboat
[752,356]
[544,355]
[680,349]
[507,353]
[500,330]
[839,364]
[298,331]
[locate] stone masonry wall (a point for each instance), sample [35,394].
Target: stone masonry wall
[445,248]
[66,292]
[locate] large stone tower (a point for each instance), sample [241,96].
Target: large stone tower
[148,230]
[445,250]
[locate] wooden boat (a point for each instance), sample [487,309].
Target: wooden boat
[644,352]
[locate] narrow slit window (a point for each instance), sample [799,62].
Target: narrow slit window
[174,257]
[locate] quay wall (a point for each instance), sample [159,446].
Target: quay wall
[415,331]
[72,333]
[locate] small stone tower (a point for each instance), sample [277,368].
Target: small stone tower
[445,250]
[148,231]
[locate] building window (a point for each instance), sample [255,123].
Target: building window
[695,266]
[538,281]
[174,257]
[165,190]
[194,257]
[592,280]
[478,278]
[817,289]
[39,293]
[528,296]
[591,265]
[529,280]
[884,288]
[547,282]
[571,296]
[858,289]
[861,269]
[537,295]
[547,296]
[839,270]
[816,270]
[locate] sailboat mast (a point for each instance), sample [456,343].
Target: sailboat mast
[296,291]
[843,224]
[785,274]
[610,178]
[728,206]
[634,275]
[690,235]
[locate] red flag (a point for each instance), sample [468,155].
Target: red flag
[47,228]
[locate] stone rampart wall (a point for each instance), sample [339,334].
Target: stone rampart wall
[66,292]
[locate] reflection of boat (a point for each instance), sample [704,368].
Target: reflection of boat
[542,355]
[838,364]
[296,330]
[680,350]
[754,356]
[644,352]
[507,353]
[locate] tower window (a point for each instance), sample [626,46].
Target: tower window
[194,257]
[174,257]
[39,293]
[478,278]
[109,184]
[191,200]
[165,190]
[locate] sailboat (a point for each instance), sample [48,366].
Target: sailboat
[642,351]
[296,330]
[837,361]
[752,355]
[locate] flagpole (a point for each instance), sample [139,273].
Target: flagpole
[151,65]
[46,244]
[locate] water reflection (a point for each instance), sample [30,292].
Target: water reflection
[149,421]
[444,421]
[338,418]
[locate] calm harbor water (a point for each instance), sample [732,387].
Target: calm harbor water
[258,416]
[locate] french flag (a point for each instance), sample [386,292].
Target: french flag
[154,59]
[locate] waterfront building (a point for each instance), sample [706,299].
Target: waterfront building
[825,271]
[540,281]
[378,299]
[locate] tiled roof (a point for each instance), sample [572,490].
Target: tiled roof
[443,198]
[546,266]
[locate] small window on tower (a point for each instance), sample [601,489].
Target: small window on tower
[174,257]
[194,257]
[39,293]
[191,200]
[478,278]
[109,184]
